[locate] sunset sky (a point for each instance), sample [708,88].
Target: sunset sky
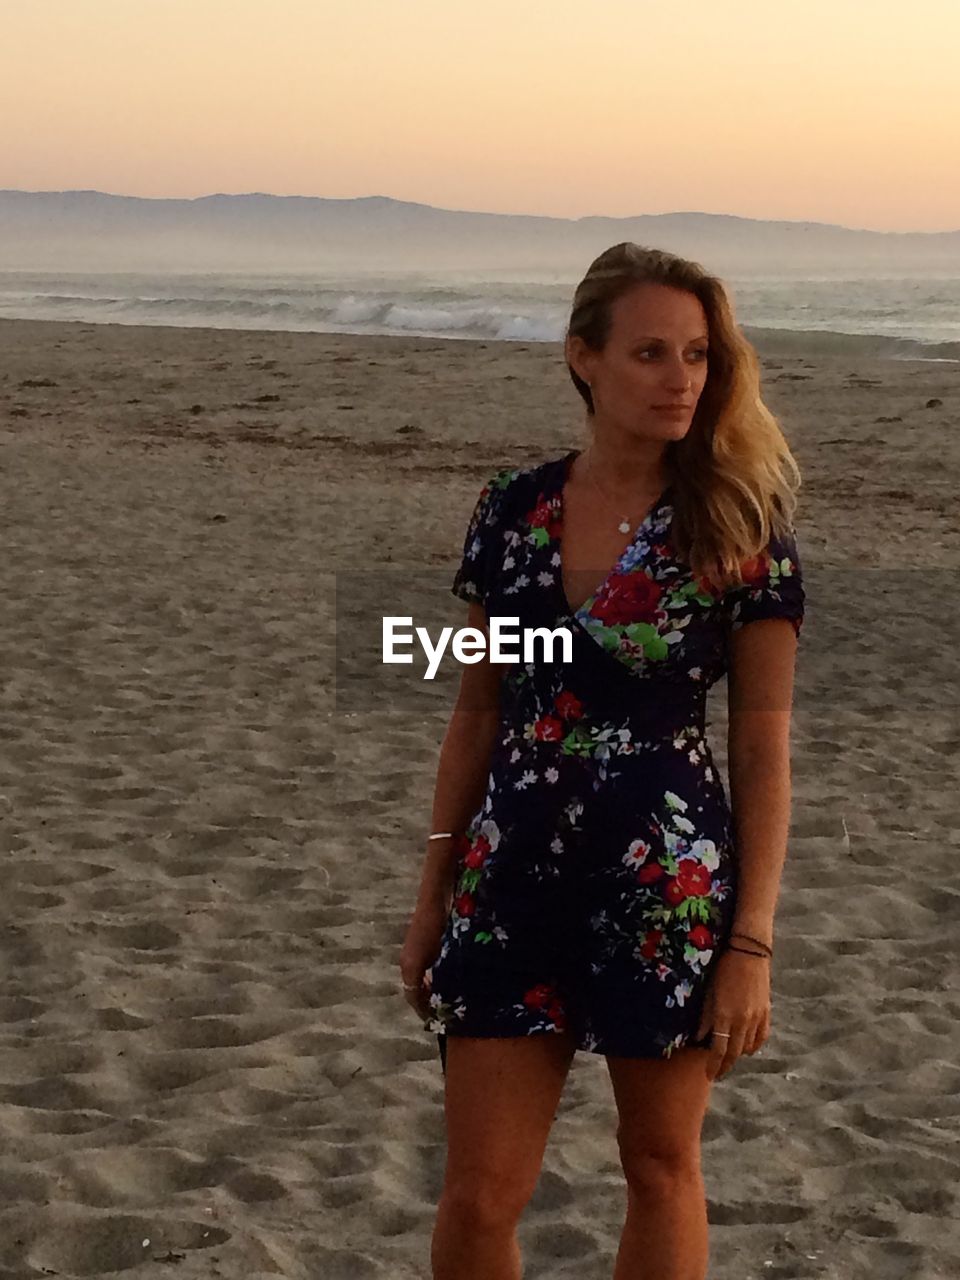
[816,111]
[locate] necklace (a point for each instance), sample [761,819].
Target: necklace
[624,526]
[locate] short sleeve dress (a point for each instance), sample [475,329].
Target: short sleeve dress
[596,883]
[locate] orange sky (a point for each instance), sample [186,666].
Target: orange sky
[814,110]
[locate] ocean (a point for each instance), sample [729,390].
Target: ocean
[899,316]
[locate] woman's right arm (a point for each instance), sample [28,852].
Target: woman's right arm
[462,768]
[462,772]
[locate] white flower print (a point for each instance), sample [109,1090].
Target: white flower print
[683,824]
[636,853]
[551,774]
[515,755]
[544,579]
[680,993]
[674,801]
[490,832]
[705,851]
[525,780]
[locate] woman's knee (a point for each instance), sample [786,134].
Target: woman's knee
[658,1169]
[489,1201]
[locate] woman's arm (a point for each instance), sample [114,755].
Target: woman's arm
[462,768]
[760,693]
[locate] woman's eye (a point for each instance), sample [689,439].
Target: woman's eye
[648,351]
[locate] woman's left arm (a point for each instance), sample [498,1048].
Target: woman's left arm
[760,694]
[760,697]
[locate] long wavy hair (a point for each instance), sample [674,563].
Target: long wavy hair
[734,478]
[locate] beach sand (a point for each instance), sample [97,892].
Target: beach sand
[207,862]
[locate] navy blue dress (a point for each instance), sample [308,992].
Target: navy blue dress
[596,883]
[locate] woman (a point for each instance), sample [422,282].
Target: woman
[586,885]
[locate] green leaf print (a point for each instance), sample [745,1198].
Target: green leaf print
[577,742]
[690,591]
[700,908]
[656,649]
[540,536]
[640,632]
[483,937]
[470,879]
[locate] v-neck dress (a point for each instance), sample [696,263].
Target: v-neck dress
[596,884]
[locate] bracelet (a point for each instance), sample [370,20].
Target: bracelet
[766,947]
[441,835]
[762,954]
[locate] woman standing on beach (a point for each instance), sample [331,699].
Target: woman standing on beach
[586,884]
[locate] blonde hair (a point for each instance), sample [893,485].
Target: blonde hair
[734,478]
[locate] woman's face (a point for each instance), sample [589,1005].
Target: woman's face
[656,354]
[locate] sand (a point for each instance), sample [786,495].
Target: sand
[207,861]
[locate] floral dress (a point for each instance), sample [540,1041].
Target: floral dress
[596,884]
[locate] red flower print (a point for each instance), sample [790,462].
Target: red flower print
[691,881]
[626,598]
[556,1013]
[652,871]
[650,943]
[544,516]
[755,570]
[477,853]
[461,843]
[464,904]
[568,705]
[694,877]
[548,729]
[701,937]
[539,997]
[674,893]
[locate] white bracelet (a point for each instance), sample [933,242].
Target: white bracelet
[441,835]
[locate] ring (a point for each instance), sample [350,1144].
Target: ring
[725,1034]
[415,987]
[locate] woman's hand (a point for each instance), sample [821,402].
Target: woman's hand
[738,1002]
[420,948]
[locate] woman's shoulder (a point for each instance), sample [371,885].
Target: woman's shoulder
[522,478]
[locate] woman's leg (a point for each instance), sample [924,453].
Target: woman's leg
[661,1105]
[500,1099]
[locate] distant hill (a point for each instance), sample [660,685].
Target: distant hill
[91,230]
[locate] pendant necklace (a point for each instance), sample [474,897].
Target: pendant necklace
[624,526]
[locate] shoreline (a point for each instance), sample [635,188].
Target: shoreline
[770,343]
